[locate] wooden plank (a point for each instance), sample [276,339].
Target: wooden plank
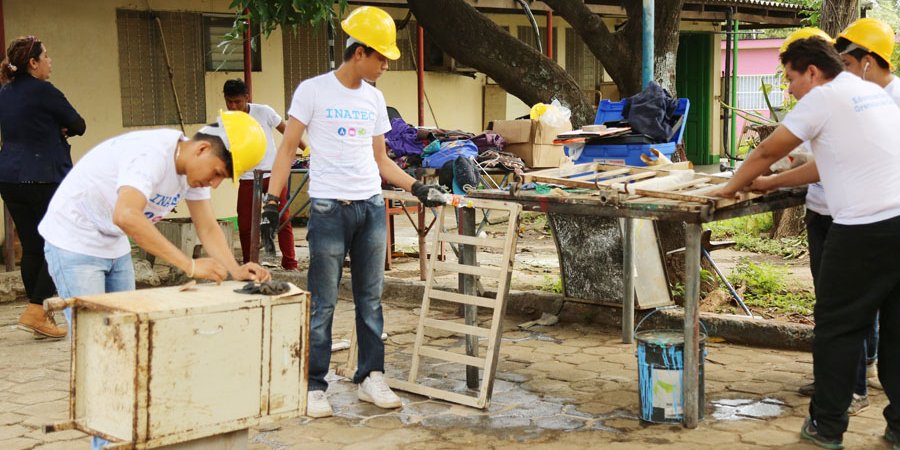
[462,299]
[472,240]
[627,179]
[468,270]
[454,327]
[444,355]
[676,196]
[606,174]
[434,393]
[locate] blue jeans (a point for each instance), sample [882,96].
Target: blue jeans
[335,229]
[76,274]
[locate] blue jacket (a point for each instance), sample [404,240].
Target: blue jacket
[32,114]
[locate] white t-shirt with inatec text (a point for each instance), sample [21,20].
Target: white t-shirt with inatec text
[851,127]
[341,123]
[80,216]
[269,119]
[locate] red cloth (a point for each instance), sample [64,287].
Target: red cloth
[244,212]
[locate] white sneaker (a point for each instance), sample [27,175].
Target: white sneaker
[317,405]
[374,390]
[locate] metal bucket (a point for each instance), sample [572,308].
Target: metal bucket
[660,357]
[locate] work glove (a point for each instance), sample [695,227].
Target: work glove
[430,195]
[268,225]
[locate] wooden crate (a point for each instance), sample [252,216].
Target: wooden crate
[156,367]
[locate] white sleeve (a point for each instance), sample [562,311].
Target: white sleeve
[808,117]
[382,124]
[272,117]
[302,104]
[203,193]
[142,172]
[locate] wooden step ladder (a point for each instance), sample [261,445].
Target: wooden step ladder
[469,268]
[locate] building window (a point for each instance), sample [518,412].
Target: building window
[583,66]
[526,35]
[306,54]
[750,93]
[146,90]
[228,56]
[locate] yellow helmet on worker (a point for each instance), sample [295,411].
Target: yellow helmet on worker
[804,33]
[374,28]
[871,35]
[243,137]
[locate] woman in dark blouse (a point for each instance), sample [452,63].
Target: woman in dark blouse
[35,120]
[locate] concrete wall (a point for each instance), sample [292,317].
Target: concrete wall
[82,41]
[83,45]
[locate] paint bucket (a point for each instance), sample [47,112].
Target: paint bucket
[660,357]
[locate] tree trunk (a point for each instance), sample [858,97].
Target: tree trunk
[837,14]
[788,222]
[620,52]
[476,41]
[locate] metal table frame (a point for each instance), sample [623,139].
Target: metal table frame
[692,216]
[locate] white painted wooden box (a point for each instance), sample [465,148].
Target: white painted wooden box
[155,367]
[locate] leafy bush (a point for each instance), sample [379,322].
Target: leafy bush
[765,287]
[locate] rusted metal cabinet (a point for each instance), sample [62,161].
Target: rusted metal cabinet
[160,366]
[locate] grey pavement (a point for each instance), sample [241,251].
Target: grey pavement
[565,386]
[572,385]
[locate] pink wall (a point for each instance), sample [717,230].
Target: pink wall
[755,57]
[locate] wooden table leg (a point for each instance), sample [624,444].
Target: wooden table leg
[467,286]
[692,325]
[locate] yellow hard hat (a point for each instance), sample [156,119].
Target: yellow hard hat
[804,33]
[375,28]
[244,138]
[871,34]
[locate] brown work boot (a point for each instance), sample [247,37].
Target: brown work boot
[40,322]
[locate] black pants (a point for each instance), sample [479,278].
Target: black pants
[817,226]
[859,274]
[27,204]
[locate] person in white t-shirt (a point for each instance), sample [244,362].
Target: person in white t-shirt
[346,118]
[124,185]
[850,125]
[237,98]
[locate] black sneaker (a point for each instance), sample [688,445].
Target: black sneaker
[892,437]
[810,433]
[807,389]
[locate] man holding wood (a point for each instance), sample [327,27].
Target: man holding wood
[850,125]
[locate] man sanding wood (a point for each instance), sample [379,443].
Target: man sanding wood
[850,125]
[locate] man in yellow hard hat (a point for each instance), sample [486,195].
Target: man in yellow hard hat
[124,185]
[345,118]
[866,46]
[850,126]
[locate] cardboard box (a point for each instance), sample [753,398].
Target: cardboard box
[532,141]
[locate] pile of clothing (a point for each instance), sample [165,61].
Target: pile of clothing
[459,156]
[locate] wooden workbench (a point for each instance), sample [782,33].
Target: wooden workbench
[630,207]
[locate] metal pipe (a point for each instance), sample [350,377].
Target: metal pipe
[534,25]
[692,325]
[468,286]
[550,33]
[628,282]
[734,71]
[248,57]
[255,213]
[329,31]
[726,89]
[420,72]
[648,43]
